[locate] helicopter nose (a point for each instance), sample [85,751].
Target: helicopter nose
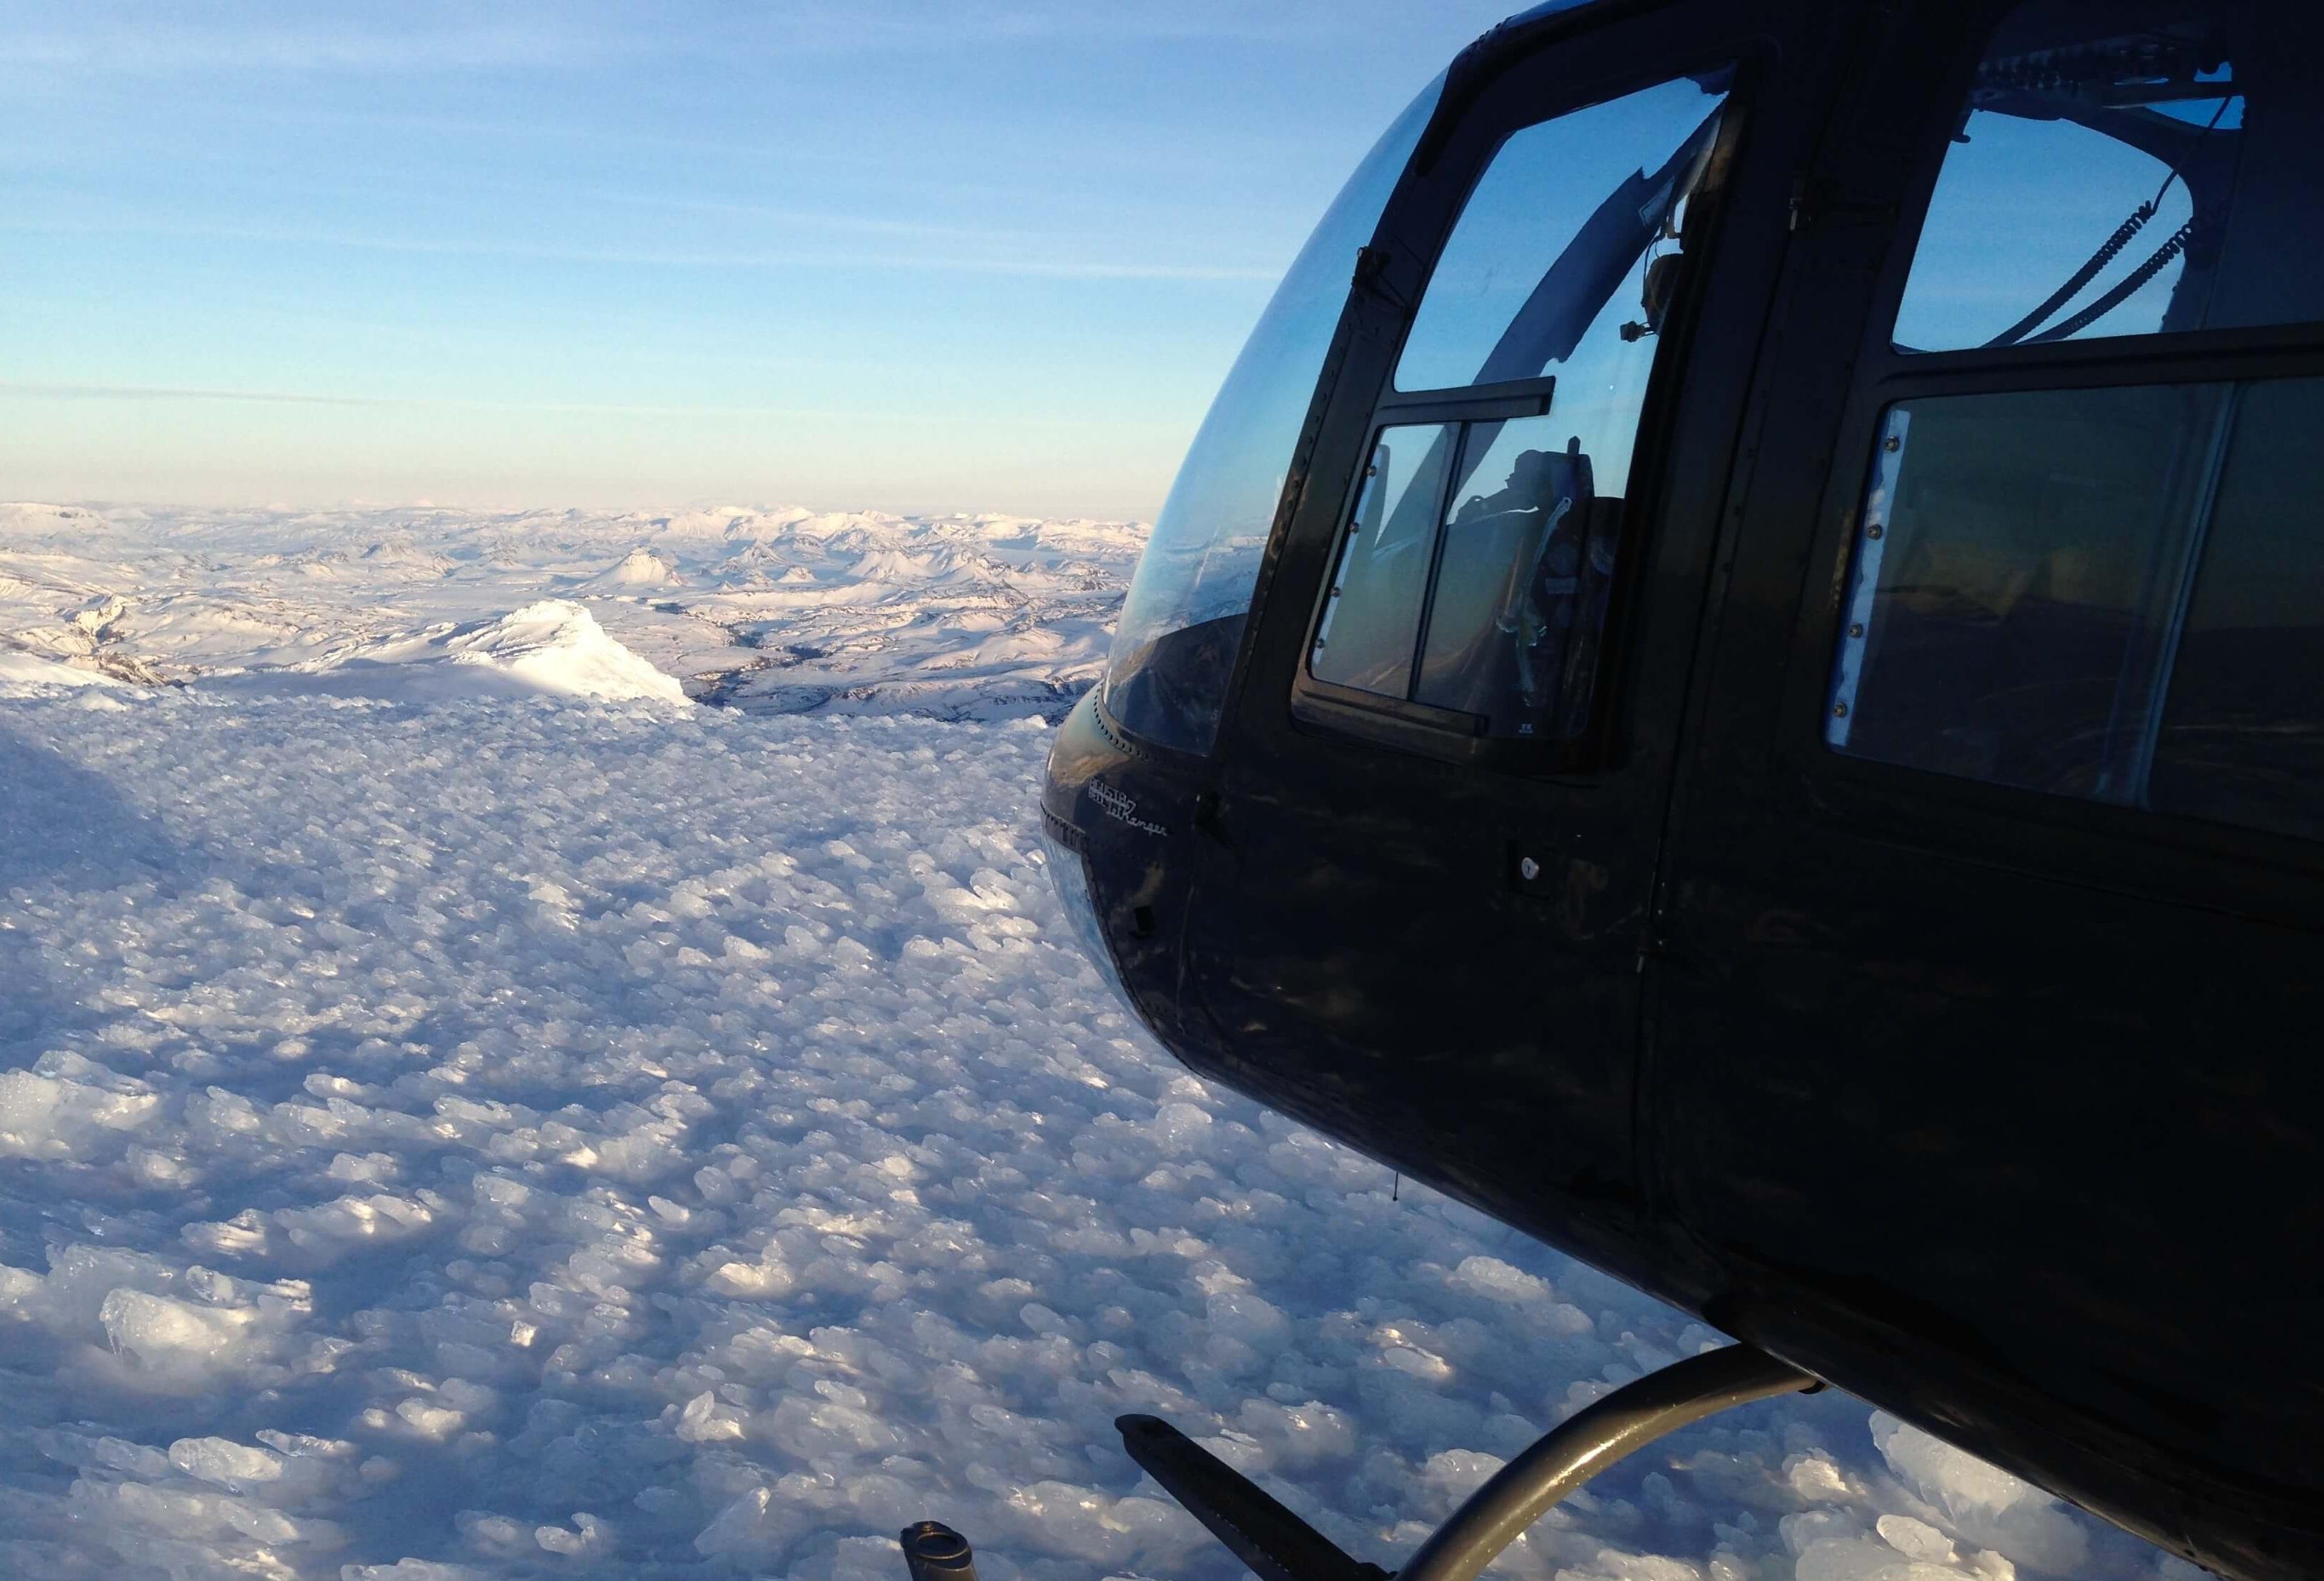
[1075,788]
[1113,826]
[1061,847]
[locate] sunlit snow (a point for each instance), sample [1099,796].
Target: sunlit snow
[467,1110]
[785,611]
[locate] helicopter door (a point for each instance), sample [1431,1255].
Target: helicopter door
[1422,873]
[1983,1035]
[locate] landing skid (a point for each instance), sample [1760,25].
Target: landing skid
[1279,1546]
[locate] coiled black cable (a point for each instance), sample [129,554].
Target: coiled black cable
[2082,277]
[2122,289]
[2105,255]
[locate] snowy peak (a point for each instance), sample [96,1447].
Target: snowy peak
[553,648]
[29,519]
[400,557]
[640,568]
[899,564]
[557,646]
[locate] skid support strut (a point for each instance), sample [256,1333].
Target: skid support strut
[1577,1450]
[1279,1546]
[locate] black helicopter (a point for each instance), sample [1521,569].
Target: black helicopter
[1736,678]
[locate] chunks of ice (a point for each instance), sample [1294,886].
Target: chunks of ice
[1915,1540]
[526,1137]
[45,1113]
[332,1228]
[227,1464]
[1984,1504]
[1854,1560]
[1299,1435]
[586,1538]
[1454,1473]
[1817,1476]
[169,1336]
[704,1420]
[1497,1280]
[1180,1128]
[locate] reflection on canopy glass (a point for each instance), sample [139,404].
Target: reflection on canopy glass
[1181,624]
[2111,594]
[1533,279]
[1521,584]
[1371,612]
[1491,608]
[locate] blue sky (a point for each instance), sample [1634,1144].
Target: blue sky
[939,256]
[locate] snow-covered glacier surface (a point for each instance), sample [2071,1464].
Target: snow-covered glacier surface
[467,1110]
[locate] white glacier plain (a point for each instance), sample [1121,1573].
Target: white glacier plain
[541,1045]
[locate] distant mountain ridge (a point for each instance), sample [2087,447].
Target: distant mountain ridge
[778,609]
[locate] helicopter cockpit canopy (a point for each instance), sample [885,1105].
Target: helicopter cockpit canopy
[1617,219]
[1182,623]
[2190,205]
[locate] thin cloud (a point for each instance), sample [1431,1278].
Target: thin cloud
[897,26]
[929,263]
[545,37]
[68,391]
[158,49]
[162,393]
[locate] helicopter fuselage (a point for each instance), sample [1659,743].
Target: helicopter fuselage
[1834,838]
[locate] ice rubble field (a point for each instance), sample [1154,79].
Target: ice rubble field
[511,1134]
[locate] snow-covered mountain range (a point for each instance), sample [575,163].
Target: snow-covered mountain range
[774,610]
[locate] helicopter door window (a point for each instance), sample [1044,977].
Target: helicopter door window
[1371,612]
[1521,585]
[2015,576]
[1474,571]
[2115,594]
[2128,170]
[2241,734]
[1473,577]
[1566,254]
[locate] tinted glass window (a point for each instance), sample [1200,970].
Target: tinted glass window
[1521,584]
[2242,737]
[1371,612]
[1474,574]
[1502,596]
[2130,168]
[1173,649]
[1564,257]
[2115,594]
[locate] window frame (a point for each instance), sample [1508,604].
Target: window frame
[1449,734]
[2179,855]
[1503,402]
